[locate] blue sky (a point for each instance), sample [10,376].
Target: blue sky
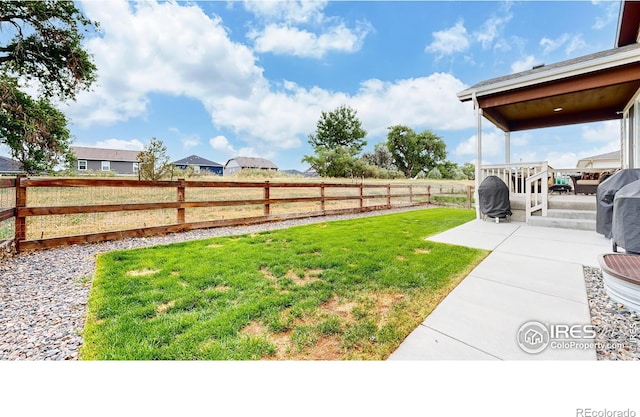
[221,79]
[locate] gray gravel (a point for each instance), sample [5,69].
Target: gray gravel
[617,327]
[43,295]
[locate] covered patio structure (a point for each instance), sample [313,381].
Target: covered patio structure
[592,88]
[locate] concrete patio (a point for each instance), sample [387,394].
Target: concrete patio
[532,274]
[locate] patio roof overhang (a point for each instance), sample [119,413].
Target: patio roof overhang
[591,88]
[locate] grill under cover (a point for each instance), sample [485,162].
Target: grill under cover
[605,193]
[493,196]
[625,224]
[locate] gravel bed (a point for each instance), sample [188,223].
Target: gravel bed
[617,328]
[43,294]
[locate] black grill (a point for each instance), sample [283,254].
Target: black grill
[493,198]
[625,223]
[605,194]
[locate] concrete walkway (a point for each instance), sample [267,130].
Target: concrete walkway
[533,274]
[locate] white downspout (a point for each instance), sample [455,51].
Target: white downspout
[478,110]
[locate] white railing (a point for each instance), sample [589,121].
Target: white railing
[536,195]
[531,180]
[514,174]
[528,179]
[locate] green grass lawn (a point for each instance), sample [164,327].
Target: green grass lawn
[349,289]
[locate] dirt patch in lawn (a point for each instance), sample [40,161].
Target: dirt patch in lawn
[310,275]
[142,272]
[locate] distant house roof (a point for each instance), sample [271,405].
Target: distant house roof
[9,165]
[293,172]
[250,162]
[197,160]
[609,156]
[101,154]
[311,172]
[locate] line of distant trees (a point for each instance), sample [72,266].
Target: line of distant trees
[339,140]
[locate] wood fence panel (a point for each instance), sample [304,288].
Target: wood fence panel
[407,194]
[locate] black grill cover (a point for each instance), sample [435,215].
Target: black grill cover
[605,194]
[493,196]
[625,225]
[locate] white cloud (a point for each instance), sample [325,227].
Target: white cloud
[222,145]
[188,140]
[571,43]
[524,64]
[492,146]
[449,41]
[611,11]
[131,145]
[425,102]
[143,49]
[608,132]
[282,39]
[282,33]
[280,118]
[296,11]
[491,30]
[137,57]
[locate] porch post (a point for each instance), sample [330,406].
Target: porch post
[507,147]
[478,152]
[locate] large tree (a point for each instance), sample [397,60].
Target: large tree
[35,131]
[415,152]
[338,139]
[41,46]
[44,43]
[339,128]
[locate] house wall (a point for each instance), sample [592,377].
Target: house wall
[630,130]
[231,168]
[205,168]
[119,167]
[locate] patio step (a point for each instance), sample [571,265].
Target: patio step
[572,214]
[566,219]
[569,202]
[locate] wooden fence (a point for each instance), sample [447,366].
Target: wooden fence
[7,214]
[57,212]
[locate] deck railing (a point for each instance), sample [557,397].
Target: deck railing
[532,180]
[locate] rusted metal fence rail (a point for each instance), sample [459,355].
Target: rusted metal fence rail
[58,212]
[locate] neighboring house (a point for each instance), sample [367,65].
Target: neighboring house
[239,163]
[9,167]
[605,160]
[99,159]
[199,165]
[311,173]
